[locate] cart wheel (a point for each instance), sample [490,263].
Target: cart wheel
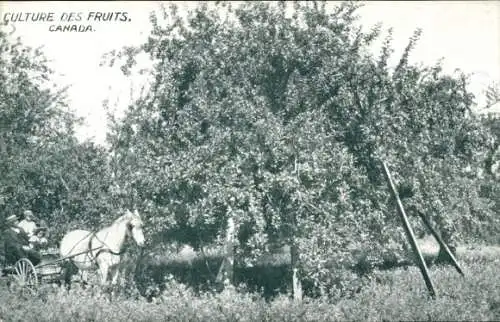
[25,277]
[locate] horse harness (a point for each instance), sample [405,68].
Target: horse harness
[101,249]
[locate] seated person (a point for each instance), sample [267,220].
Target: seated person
[16,245]
[38,241]
[27,223]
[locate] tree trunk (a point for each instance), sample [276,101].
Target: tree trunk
[226,271]
[294,253]
[296,283]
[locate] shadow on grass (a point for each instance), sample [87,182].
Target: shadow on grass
[271,277]
[200,275]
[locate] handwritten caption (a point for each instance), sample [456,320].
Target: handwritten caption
[67,21]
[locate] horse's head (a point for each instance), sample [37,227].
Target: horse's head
[134,227]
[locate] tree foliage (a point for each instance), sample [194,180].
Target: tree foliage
[44,167]
[280,117]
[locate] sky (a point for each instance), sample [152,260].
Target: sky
[466,34]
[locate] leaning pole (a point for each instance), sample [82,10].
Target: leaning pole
[410,234]
[441,242]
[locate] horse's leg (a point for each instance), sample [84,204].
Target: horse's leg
[104,273]
[67,270]
[84,278]
[105,287]
[116,273]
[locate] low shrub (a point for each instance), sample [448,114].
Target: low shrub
[398,294]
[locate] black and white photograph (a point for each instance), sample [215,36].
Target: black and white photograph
[249,161]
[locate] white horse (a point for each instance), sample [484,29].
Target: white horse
[102,248]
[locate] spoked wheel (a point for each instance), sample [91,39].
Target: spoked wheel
[25,277]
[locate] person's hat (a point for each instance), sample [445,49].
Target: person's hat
[11,218]
[28,214]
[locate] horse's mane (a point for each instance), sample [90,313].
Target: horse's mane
[128,215]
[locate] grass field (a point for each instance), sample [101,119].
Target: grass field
[393,295]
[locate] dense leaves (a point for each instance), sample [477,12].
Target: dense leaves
[280,117]
[44,168]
